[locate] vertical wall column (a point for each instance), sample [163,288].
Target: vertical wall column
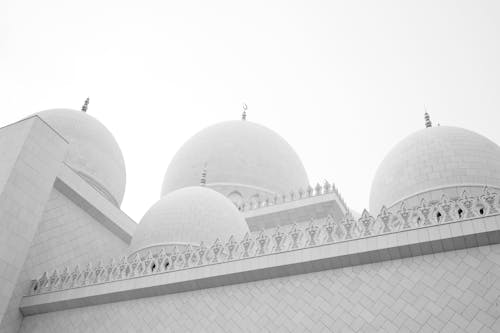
[31,154]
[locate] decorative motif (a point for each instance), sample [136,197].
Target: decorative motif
[468,203]
[86,274]
[42,283]
[164,260]
[295,235]
[262,241]
[348,224]
[63,278]
[246,244]
[444,207]
[386,218]
[490,199]
[329,228]
[310,191]
[425,210]
[279,239]
[216,250]
[53,280]
[289,238]
[404,214]
[366,224]
[171,264]
[134,265]
[231,247]
[326,187]
[188,256]
[318,189]
[149,264]
[202,250]
[312,232]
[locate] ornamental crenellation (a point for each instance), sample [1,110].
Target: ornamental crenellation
[294,195]
[268,242]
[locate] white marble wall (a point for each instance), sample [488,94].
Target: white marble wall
[44,227]
[67,235]
[31,153]
[455,291]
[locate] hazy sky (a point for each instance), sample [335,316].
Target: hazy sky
[341,81]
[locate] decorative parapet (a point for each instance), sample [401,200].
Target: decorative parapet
[278,240]
[299,194]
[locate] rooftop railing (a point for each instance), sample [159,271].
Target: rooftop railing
[269,242]
[299,194]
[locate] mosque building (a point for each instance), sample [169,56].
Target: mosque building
[239,240]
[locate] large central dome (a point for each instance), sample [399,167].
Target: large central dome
[238,155]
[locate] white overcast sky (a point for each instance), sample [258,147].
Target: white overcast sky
[341,81]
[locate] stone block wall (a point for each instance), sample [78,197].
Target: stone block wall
[66,236]
[454,291]
[40,226]
[30,155]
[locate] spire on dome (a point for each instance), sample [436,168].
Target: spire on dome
[427,118]
[85,105]
[203,180]
[244,114]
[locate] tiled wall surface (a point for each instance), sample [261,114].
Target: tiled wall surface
[66,236]
[453,291]
[40,227]
[31,153]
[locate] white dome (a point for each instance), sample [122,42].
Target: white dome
[189,215]
[93,151]
[434,159]
[239,155]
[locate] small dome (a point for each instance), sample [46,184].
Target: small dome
[189,215]
[434,159]
[238,155]
[93,152]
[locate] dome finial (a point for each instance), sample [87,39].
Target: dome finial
[85,105]
[427,118]
[203,180]
[244,114]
